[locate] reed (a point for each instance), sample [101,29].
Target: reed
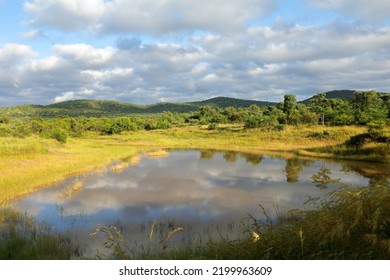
[21,238]
[121,248]
[353,224]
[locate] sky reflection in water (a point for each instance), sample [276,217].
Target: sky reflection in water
[192,188]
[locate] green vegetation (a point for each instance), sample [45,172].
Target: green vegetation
[21,238]
[97,108]
[41,145]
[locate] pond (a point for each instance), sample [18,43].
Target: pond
[206,192]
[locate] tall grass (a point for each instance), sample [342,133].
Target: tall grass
[353,224]
[21,238]
[121,248]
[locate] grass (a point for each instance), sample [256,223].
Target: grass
[354,223]
[157,154]
[76,186]
[50,162]
[21,238]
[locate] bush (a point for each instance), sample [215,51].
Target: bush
[212,126]
[376,129]
[59,135]
[120,125]
[358,141]
[5,119]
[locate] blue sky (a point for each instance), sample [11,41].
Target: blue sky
[147,51]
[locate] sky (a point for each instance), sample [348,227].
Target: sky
[148,51]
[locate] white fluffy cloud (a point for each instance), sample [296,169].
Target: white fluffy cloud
[13,53]
[221,55]
[149,16]
[261,63]
[65,14]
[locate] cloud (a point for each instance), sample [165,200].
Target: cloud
[69,95]
[175,15]
[33,34]
[146,16]
[85,55]
[14,53]
[64,14]
[374,10]
[261,63]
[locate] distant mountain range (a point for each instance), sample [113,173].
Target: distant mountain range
[98,108]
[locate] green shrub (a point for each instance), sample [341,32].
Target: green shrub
[212,126]
[5,119]
[59,135]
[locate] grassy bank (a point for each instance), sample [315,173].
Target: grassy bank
[32,163]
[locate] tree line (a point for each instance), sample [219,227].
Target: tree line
[366,108]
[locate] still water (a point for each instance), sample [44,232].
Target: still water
[196,190]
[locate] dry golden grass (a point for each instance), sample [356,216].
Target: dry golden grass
[119,167]
[157,154]
[71,189]
[21,174]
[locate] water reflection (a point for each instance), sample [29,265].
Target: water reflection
[322,179]
[193,189]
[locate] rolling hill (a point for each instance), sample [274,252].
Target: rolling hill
[101,108]
[344,94]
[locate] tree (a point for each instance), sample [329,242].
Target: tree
[341,112]
[368,107]
[232,114]
[120,125]
[289,108]
[253,121]
[211,114]
[319,104]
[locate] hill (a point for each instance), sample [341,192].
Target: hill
[99,108]
[344,94]
[224,102]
